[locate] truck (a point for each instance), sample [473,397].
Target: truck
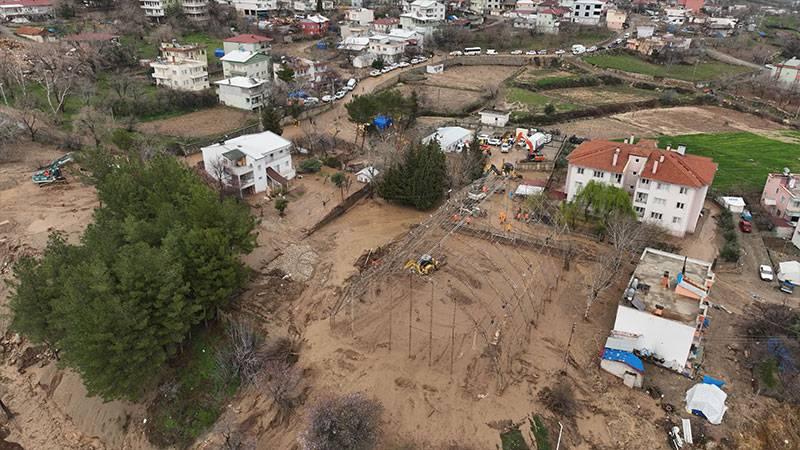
[578,49]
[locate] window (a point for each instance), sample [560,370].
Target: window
[641,197]
[676,220]
[578,186]
[684,190]
[680,205]
[636,159]
[618,177]
[598,174]
[656,215]
[659,201]
[580,170]
[662,186]
[639,210]
[645,181]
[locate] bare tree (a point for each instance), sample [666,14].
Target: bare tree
[12,74]
[283,385]
[244,357]
[219,171]
[96,123]
[57,72]
[29,115]
[349,422]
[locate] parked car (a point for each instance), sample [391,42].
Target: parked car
[311,101]
[483,137]
[375,73]
[491,51]
[530,52]
[516,52]
[386,69]
[351,84]
[505,147]
[765,272]
[745,215]
[542,52]
[745,226]
[591,49]
[560,52]
[327,98]
[493,141]
[339,95]
[403,64]
[456,53]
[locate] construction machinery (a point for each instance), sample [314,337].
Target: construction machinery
[425,265]
[51,173]
[491,168]
[474,212]
[508,170]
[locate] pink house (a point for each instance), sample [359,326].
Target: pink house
[781,196]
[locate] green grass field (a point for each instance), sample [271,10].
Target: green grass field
[536,102]
[744,159]
[149,50]
[630,63]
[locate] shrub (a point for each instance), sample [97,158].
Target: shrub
[122,139]
[729,235]
[350,422]
[332,162]
[559,399]
[312,165]
[730,251]
[280,204]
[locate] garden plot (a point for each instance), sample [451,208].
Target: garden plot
[442,100]
[602,95]
[471,77]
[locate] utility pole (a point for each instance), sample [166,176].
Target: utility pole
[430,331]
[569,343]
[453,338]
[410,309]
[391,307]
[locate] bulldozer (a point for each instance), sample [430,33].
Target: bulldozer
[425,265]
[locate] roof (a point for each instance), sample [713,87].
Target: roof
[794,62]
[673,167]
[248,39]
[386,21]
[495,112]
[424,3]
[26,2]
[624,357]
[29,31]
[90,37]
[242,82]
[238,56]
[687,279]
[447,136]
[255,146]
[316,18]
[233,155]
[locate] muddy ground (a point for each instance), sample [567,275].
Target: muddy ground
[207,122]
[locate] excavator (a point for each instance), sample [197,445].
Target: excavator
[51,173]
[508,170]
[425,265]
[491,168]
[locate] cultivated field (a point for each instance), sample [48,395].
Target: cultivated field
[209,122]
[702,71]
[471,77]
[744,159]
[601,95]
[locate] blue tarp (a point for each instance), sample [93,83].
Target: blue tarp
[382,122]
[785,361]
[298,94]
[322,45]
[624,357]
[711,380]
[219,53]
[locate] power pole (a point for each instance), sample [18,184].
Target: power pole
[453,338]
[391,307]
[410,309]
[430,331]
[569,343]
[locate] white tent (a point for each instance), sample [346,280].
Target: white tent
[733,204]
[789,271]
[524,190]
[367,174]
[707,399]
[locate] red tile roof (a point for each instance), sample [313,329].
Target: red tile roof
[685,170]
[90,37]
[29,31]
[248,39]
[386,21]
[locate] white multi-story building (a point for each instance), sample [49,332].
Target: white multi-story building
[668,186]
[360,16]
[257,9]
[252,163]
[588,12]
[248,42]
[386,48]
[196,10]
[182,67]
[243,92]
[26,9]
[244,63]
[423,16]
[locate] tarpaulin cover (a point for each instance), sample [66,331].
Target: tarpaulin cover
[708,400]
[624,357]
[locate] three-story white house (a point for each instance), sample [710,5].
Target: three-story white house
[252,163]
[423,16]
[668,187]
[182,67]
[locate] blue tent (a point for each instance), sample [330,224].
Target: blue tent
[219,53]
[382,122]
[322,45]
[624,357]
[298,94]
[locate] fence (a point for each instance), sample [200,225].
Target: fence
[341,208]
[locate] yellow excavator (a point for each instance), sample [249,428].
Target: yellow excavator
[425,265]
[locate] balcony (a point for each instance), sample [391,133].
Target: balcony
[640,198]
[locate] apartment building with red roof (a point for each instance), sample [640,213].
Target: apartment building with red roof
[667,186]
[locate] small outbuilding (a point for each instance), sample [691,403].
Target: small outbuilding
[619,360]
[494,118]
[789,271]
[708,401]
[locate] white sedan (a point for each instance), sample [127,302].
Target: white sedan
[765,272]
[530,52]
[327,99]
[494,141]
[375,73]
[516,52]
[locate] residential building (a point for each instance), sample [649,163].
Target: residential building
[26,9]
[244,63]
[615,19]
[247,42]
[314,25]
[385,25]
[347,31]
[182,67]
[668,186]
[387,48]
[645,31]
[494,118]
[196,10]
[569,6]
[252,163]
[451,139]
[360,16]
[487,6]
[781,196]
[424,16]
[787,74]
[526,5]
[548,20]
[36,34]
[692,5]
[620,360]
[154,8]
[663,313]
[305,70]
[257,9]
[309,6]
[588,12]
[243,92]
[676,16]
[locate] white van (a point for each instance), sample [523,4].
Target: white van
[578,49]
[351,83]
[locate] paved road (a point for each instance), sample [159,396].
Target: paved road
[731,60]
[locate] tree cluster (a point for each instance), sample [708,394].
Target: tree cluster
[402,110]
[350,422]
[418,179]
[731,251]
[161,256]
